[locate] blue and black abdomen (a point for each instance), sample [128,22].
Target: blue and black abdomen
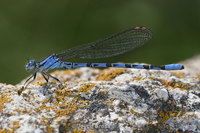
[69,65]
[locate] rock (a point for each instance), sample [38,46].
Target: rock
[109,100]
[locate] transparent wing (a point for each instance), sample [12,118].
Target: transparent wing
[115,44]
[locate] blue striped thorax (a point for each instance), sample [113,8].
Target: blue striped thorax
[50,62]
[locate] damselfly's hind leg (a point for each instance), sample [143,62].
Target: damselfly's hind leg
[54,78]
[46,78]
[45,91]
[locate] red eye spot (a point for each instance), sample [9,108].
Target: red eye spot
[140,28]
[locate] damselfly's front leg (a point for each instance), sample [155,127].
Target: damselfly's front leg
[25,86]
[34,76]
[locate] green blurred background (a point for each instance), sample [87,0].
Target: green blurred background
[36,29]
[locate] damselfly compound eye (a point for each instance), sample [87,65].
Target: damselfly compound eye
[30,65]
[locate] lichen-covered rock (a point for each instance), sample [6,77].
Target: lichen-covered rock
[109,100]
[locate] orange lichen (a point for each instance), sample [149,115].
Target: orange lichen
[109,101]
[70,108]
[94,73]
[175,84]
[4,99]
[77,74]
[61,112]
[180,85]
[178,74]
[136,78]
[15,126]
[162,116]
[164,113]
[78,131]
[18,110]
[82,103]
[86,87]
[43,106]
[55,103]
[38,110]
[152,78]
[60,94]
[109,74]
[68,71]
[44,118]
[133,112]
[4,131]
[198,76]
[49,128]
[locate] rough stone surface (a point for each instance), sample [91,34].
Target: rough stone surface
[109,100]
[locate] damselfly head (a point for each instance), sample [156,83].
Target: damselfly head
[30,65]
